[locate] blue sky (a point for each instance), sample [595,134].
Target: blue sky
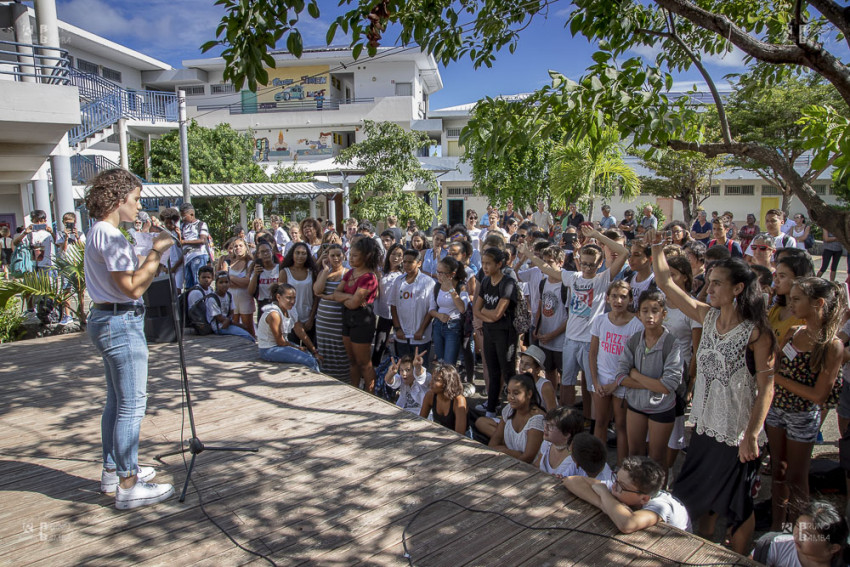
[173,30]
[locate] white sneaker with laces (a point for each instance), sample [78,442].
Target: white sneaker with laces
[142,494]
[109,479]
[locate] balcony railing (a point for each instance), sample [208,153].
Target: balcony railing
[49,65]
[285,106]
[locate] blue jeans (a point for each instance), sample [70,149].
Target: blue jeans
[403,347]
[289,355]
[447,338]
[236,331]
[120,340]
[190,270]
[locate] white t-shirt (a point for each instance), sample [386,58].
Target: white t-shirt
[60,238]
[265,281]
[553,314]
[568,466]
[281,237]
[474,237]
[382,302]
[412,302]
[410,398]
[783,552]
[194,231]
[197,294]
[532,277]
[107,250]
[612,341]
[587,300]
[680,326]
[446,305]
[670,510]
[214,310]
[42,242]
[640,287]
[265,337]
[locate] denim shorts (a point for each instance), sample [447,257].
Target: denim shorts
[799,426]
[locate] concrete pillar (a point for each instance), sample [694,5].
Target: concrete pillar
[122,143]
[243,215]
[331,202]
[346,210]
[23,34]
[435,204]
[147,146]
[42,193]
[312,207]
[63,192]
[26,200]
[259,209]
[48,29]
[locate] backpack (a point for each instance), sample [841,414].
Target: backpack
[196,316]
[809,241]
[381,389]
[23,260]
[522,311]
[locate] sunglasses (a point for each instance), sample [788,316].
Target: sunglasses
[761,247]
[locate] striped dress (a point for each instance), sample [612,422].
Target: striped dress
[329,336]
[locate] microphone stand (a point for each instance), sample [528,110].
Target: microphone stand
[196,447]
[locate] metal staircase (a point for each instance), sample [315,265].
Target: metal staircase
[84,168]
[103,104]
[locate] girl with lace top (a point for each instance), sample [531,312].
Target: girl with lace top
[520,432]
[808,377]
[732,394]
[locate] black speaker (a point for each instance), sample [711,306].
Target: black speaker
[159,313]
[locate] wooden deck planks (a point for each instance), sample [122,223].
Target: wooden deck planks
[338,477]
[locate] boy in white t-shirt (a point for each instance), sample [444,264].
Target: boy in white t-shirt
[206,274]
[220,309]
[586,300]
[409,301]
[412,381]
[633,499]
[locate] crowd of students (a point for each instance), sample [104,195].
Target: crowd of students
[730,322]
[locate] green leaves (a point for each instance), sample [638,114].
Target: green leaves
[391,170]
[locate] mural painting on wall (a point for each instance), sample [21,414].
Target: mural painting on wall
[270,144]
[295,84]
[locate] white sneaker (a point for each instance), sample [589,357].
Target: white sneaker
[142,494]
[109,480]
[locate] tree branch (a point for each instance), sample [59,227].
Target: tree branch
[834,14]
[805,54]
[718,102]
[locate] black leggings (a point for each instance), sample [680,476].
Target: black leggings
[468,347]
[382,337]
[499,351]
[833,256]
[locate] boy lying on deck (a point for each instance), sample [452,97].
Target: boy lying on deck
[633,499]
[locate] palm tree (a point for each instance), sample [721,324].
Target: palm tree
[70,266]
[591,167]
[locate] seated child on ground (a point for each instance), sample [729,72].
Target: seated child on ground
[633,499]
[220,309]
[560,426]
[409,377]
[819,538]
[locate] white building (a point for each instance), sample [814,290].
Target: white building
[68,98]
[737,191]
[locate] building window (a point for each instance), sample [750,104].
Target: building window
[819,189]
[740,190]
[769,190]
[453,132]
[715,189]
[112,74]
[404,89]
[87,67]
[193,90]
[460,191]
[222,89]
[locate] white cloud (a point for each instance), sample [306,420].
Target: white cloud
[733,58]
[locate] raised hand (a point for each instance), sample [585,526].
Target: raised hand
[419,358]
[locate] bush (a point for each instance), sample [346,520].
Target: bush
[11,321]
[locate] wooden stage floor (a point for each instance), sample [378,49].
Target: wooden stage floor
[338,477]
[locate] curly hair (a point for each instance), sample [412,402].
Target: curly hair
[108,189]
